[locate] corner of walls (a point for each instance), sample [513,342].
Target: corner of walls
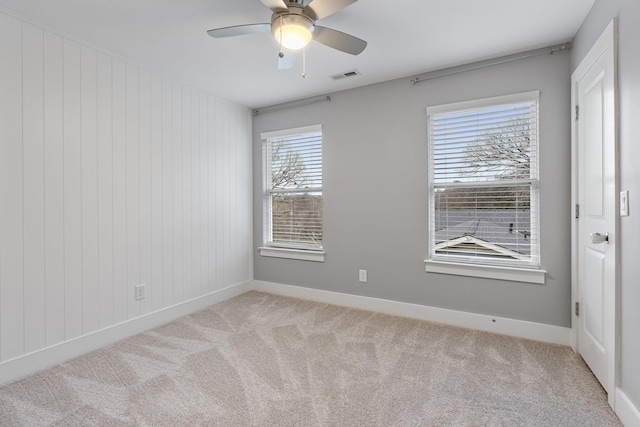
[111,176]
[627,14]
[28,364]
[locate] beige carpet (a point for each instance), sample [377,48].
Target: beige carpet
[264,360]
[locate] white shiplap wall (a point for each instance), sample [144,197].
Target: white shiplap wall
[110,176]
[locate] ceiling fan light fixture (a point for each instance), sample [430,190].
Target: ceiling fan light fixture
[292,31]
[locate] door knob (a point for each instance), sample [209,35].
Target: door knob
[599,238]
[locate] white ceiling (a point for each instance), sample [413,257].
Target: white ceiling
[405,38]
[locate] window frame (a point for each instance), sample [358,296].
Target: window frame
[487,266]
[299,251]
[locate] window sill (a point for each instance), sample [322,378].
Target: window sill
[304,255]
[486,271]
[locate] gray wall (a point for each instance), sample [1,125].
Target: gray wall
[628,13]
[375,193]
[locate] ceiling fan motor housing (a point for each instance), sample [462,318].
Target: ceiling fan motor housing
[295,15]
[294,20]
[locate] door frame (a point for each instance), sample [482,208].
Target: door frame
[607,42]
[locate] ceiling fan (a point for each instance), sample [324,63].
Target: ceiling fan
[293,25]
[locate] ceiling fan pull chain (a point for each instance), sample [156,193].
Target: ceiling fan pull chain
[281,53]
[304,63]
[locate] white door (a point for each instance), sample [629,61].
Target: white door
[595,232]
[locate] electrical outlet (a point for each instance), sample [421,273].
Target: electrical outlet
[140,292]
[362,276]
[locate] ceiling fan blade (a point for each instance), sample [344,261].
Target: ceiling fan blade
[275,5]
[239,30]
[288,60]
[339,40]
[323,8]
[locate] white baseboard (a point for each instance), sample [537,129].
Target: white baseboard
[499,325]
[626,410]
[22,366]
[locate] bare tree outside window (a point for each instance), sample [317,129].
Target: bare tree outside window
[296,191]
[484,181]
[504,152]
[287,168]
[499,154]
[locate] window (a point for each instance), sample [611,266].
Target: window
[483,186]
[292,166]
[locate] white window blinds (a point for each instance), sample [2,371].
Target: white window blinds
[293,188]
[483,181]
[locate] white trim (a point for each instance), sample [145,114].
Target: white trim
[28,364]
[267,185]
[437,112]
[514,274]
[605,44]
[490,184]
[296,190]
[476,104]
[500,325]
[626,410]
[291,132]
[301,254]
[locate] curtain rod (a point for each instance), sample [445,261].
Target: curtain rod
[489,63]
[290,104]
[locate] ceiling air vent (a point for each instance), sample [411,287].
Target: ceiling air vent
[350,73]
